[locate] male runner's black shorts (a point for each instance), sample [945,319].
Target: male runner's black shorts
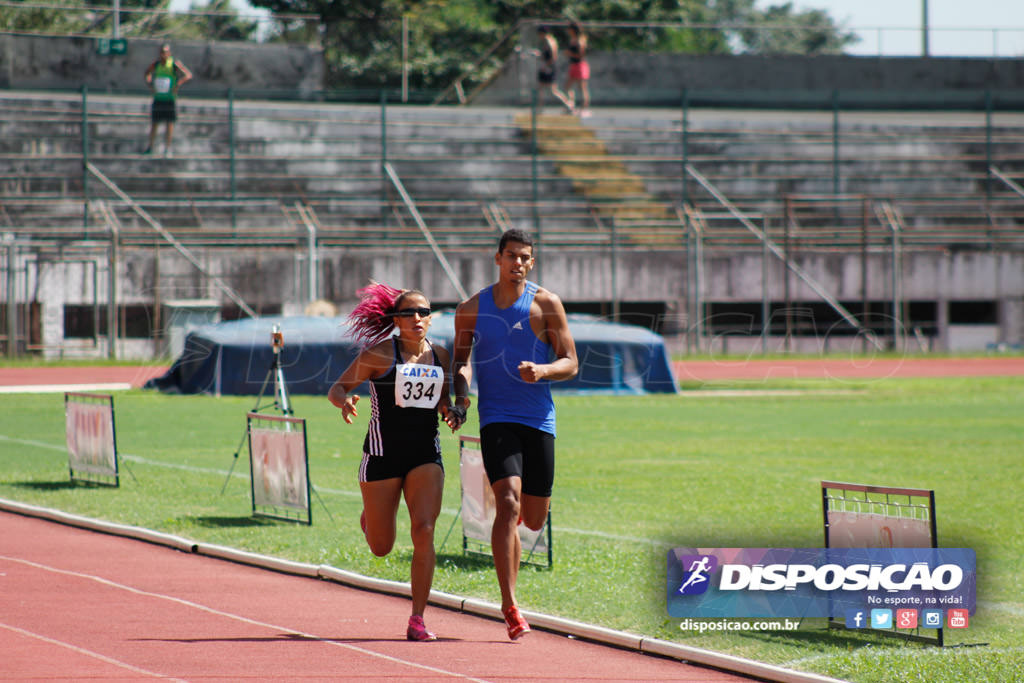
[515,450]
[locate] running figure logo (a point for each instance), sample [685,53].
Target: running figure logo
[696,572]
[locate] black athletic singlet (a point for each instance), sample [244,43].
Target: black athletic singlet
[394,430]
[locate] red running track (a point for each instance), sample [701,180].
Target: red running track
[729,368]
[77,604]
[853,367]
[69,377]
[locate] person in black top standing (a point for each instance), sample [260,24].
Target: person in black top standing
[546,71]
[402,448]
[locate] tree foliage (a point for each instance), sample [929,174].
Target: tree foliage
[781,30]
[221,22]
[96,18]
[362,38]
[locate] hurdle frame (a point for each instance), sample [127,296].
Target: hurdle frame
[284,512]
[92,475]
[888,492]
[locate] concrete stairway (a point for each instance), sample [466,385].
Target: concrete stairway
[615,192]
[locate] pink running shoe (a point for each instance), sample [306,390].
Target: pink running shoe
[418,630]
[517,626]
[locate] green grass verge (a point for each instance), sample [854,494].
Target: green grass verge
[635,476]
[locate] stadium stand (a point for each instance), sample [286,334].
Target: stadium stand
[239,172]
[632,186]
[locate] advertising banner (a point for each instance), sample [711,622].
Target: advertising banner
[89,433]
[817,582]
[278,463]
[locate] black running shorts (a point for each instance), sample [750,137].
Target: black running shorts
[380,467]
[164,111]
[515,450]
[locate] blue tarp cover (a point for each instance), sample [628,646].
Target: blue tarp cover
[234,357]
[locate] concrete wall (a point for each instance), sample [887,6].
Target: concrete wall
[51,63]
[636,78]
[278,276]
[57,63]
[927,275]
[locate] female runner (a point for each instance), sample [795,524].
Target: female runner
[402,448]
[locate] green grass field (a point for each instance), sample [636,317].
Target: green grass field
[635,476]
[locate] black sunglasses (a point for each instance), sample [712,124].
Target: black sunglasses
[423,312]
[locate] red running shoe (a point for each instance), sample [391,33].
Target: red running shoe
[517,626]
[418,630]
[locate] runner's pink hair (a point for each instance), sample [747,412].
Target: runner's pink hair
[370,322]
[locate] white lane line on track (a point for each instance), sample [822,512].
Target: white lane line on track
[38,444]
[239,618]
[62,448]
[88,653]
[209,470]
[63,388]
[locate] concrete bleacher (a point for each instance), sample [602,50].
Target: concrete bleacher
[471,171]
[765,156]
[932,167]
[323,156]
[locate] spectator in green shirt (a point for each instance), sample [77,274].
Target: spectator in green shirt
[164,76]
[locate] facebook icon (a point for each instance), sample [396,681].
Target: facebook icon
[856,618]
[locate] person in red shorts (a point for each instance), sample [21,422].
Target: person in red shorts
[579,69]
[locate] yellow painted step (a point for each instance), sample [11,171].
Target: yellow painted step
[583,158]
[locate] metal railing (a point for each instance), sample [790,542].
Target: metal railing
[115,228]
[468,175]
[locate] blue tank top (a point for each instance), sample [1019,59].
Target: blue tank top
[502,339]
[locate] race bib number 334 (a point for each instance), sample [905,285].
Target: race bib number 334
[418,386]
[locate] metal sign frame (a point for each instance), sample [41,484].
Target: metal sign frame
[278,501]
[89,467]
[885,499]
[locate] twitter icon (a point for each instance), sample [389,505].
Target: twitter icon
[881,618]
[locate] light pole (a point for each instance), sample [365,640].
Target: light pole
[924,28]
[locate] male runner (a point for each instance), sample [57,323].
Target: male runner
[519,338]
